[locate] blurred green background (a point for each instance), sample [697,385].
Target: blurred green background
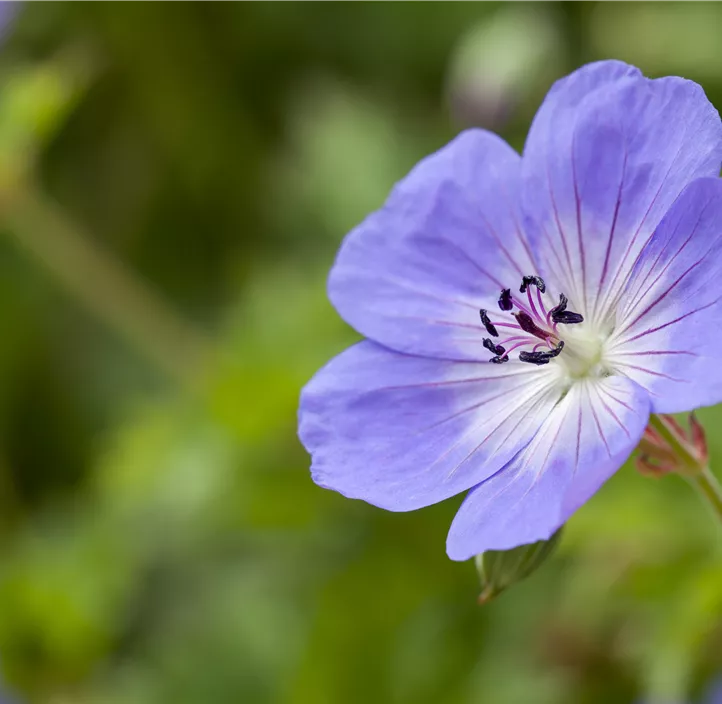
[174,182]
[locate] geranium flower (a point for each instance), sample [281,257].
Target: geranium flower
[712,696]
[525,315]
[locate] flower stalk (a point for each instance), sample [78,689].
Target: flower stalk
[709,488]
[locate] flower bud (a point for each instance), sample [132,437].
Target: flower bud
[497,64]
[500,569]
[667,447]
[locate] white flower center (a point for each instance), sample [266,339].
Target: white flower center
[584,353]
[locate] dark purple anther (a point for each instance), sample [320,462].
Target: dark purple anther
[532,280]
[494,349]
[568,318]
[505,302]
[499,360]
[561,307]
[560,314]
[488,324]
[528,325]
[541,357]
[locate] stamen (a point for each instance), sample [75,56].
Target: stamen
[528,325]
[535,280]
[569,318]
[487,323]
[507,325]
[514,339]
[532,322]
[494,349]
[542,307]
[540,358]
[519,303]
[563,300]
[505,302]
[518,344]
[531,304]
[560,314]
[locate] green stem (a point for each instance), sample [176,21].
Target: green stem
[101,283]
[709,487]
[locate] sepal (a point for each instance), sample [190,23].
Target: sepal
[500,569]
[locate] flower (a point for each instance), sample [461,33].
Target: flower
[587,271]
[713,695]
[8,12]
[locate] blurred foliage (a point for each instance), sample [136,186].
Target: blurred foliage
[174,182]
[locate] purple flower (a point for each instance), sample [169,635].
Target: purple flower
[715,693]
[587,270]
[712,696]
[8,12]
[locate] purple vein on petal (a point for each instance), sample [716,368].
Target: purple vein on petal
[671,322]
[464,436]
[473,407]
[449,382]
[447,323]
[453,245]
[387,456]
[637,298]
[660,298]
[553,249]
[612,231]
[578,208]
[518,229]
[618,400]
[495,235]
[636,295]
[572,280]
[645,353]
[528,412]
[613,414]
[579,438]
[542,466]
[632,242]
[420,292]
[599,426]
[515,407]
[653,373]
[524,456]
[513,212]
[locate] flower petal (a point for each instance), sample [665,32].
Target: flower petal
[414,274]
[668,336]
[607,155]
[714,696]
[404,432]
[583,442]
